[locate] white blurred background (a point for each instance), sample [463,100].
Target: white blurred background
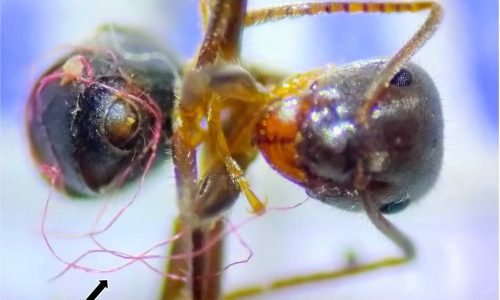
[455,227]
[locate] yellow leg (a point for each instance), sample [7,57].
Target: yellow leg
[314,278]
[205,93]
[218,141]
[288,11]
[204,11]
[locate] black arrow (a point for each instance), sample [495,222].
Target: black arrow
[99,288]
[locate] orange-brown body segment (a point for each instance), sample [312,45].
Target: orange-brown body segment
[277,132]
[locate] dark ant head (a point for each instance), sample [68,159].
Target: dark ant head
[399,151]
[82,117]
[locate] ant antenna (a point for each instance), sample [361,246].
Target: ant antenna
[376,216]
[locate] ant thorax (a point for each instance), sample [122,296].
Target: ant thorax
[316,140]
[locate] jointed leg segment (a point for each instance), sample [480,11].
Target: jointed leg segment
[234,170]
[289,11]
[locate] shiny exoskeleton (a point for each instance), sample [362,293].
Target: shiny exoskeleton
[81,116]
[401,148]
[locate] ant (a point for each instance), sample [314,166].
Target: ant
[362,137]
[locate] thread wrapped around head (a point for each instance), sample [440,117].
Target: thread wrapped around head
[98,114]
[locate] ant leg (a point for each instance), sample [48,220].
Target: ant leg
[223,35]
[204,12]
[376,217]
[174,289]
[289,11]
[221,42]
[220,144]
[380,84]
[207,91]
[205,265]
[214,261]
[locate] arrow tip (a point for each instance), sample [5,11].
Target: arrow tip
[104,283]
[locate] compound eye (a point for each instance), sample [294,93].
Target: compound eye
[121,123]
[395,207]
[402,78]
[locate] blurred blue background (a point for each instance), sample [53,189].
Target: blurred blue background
[455,227]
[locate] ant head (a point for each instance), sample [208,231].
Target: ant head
[398,152]
[92,115]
